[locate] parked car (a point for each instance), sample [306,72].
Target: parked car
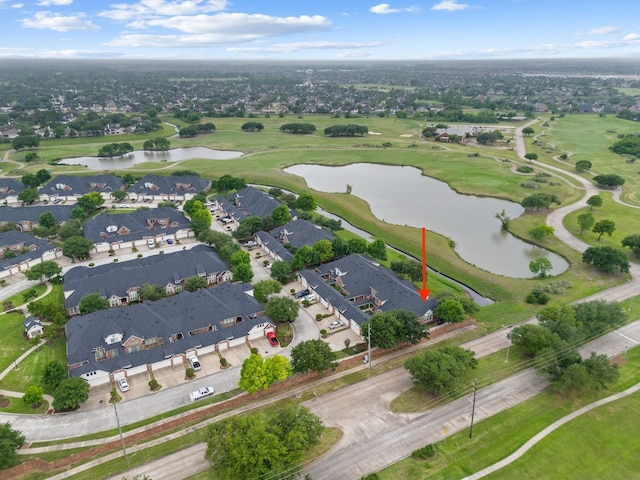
[310,298]
[201,393]
[301,293]
[151,243]
[195,363]
[335,324]
[123,385]
[273,339]
[169,241]
[250,243]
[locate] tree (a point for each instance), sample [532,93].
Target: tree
[70,228]
[283,309]
[586,221]
[29,180]
[583,165]
[505,219]
[526,131]
[192,206]
[77,248]
[119,195]
[594,201]
[392,327]
[281,270]
[151,292]
[609,180]
[259,445]
[47,220]
[28,195]
[541,231]
[52,374]
[323,250]
[312,355]
[532,338]
[43,176]
[43,271]
[195,282]
[356,245]
[443,369]
[377,249]
[306,202]
[264,288]
[258,373]
[242,273]
[226,183]
[604,226]
[33,395]
[90,202]
[70,393]
[304,257]
[10,441]
[450,310]
[596,317]
[281,215]
[200,221]
[540,266]
[531,156]
[539,201]
[248,226]
[92,303]
[633,242]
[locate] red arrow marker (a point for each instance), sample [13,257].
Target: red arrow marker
[424,293]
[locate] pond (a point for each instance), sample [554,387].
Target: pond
[134,158]
[403,196]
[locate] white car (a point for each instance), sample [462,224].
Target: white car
[151,243]
[201,393]
[123,385]
[195,363]
[335,324]
[250,243]
[310,298]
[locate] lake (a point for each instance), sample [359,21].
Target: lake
[403,196]
[134,158]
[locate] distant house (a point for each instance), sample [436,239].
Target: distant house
[136,228]
[120,284]
[152,335]
[168,188]
[27,217]
[69,187]
[246,203]
[296,234]
[354,288]
[18,250]
[32,327]
[457,132]
[10,189]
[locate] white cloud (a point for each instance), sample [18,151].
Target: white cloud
[17,5]
[162,8]
[383,9]
[281,48]
[603,30]
[57,22]
[450,6]
[632,37]
[47,3]
[239,24]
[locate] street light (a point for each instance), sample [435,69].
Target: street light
[124,450]
[509,335]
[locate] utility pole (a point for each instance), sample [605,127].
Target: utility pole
[369,344]
[473,407]
[124,450]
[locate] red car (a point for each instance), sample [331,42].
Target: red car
[272,338]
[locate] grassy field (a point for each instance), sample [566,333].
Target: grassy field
[13,342]
[593,448]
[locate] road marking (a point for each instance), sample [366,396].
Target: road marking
[628,338]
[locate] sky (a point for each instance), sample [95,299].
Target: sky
[322,30]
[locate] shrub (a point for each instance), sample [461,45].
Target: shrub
[541,180]
[318,316]
[525,169]
[323,333]
[538,296]
[223,362]
[92,264]
[139,255]
[190,373]
[254,350]
[154,385]
[533,185]
[424,453]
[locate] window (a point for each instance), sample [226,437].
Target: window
[175,337]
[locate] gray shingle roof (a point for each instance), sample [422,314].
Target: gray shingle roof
[170,185]
[361,277]
[10,186]
[14,237]
[274,245]
[115,279]
[182,313]
[248,202]
[61,213]
[300,233]
[81,185]
[141,224]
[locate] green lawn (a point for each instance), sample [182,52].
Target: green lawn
[12,340]
[18,300]
[497,437]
